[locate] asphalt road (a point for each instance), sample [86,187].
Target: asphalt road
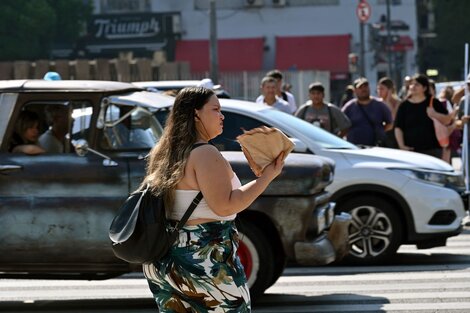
[432,280]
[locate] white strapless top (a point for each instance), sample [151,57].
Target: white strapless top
[183,199]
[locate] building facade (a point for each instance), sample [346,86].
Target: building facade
[259,35]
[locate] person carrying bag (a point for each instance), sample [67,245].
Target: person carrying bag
[201,271]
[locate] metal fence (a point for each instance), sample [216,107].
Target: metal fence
[246,85]
[126,70]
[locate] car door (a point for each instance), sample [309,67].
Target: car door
[129,132]
[55,208]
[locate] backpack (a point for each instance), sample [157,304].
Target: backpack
[140,231]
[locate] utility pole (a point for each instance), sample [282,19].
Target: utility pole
[214,64]
[362,64]
[363,12]
[389,43]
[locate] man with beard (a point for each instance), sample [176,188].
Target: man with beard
[370,118]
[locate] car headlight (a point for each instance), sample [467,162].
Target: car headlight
[455,180]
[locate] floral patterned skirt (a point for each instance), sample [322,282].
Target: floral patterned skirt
[201,273]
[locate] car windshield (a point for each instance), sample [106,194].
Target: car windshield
[321,137]
[127,127]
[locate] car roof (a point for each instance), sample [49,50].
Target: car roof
[144,99]
[230,104]
[243,105]
[168,84]
[38,85]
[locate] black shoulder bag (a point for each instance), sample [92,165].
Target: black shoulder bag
[140,231]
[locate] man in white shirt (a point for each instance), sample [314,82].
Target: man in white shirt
[268,92]
[284,95]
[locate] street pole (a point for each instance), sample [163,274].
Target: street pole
[213,54]
[362,69]
[389,43]
[465,127]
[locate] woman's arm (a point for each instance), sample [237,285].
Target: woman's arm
[213,174]
[439,112]
[458,95]
[401,142]
[445,119]
[28,149]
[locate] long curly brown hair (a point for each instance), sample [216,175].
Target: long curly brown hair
[167,159]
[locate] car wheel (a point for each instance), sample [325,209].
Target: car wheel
[375,232]
[279,264]
[257,257]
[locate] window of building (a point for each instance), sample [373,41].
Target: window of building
[124,6]
[223,4]
[312,2]
[240,4]
[392,2]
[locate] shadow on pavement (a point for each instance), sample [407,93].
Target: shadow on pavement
[335,302]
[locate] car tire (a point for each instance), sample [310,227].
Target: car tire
[279,264]
[256,255]
[375,232]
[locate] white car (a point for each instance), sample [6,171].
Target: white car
[395,197]
[177,85]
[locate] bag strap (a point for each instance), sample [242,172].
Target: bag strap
[303,112]
[195,201]
[284,96]
[196,145]
[189,211]
[430,102]
[366,115]
[330,116]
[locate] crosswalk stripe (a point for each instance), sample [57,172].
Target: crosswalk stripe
[324,270]
[376,277]
[389,308]
[313,286]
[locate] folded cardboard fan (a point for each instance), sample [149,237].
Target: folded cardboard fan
[263,145]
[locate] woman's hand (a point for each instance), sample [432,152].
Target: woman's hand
[403,147]
[275,168]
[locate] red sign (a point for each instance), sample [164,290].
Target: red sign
[363,11]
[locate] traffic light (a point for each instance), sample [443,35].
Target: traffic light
[374,36]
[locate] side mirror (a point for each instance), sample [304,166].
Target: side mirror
[300,146]
[82,148]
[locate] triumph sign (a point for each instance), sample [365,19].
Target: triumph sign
[148,31]
[115,29]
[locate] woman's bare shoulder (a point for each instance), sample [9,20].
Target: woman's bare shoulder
[207,155]
[206,149]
